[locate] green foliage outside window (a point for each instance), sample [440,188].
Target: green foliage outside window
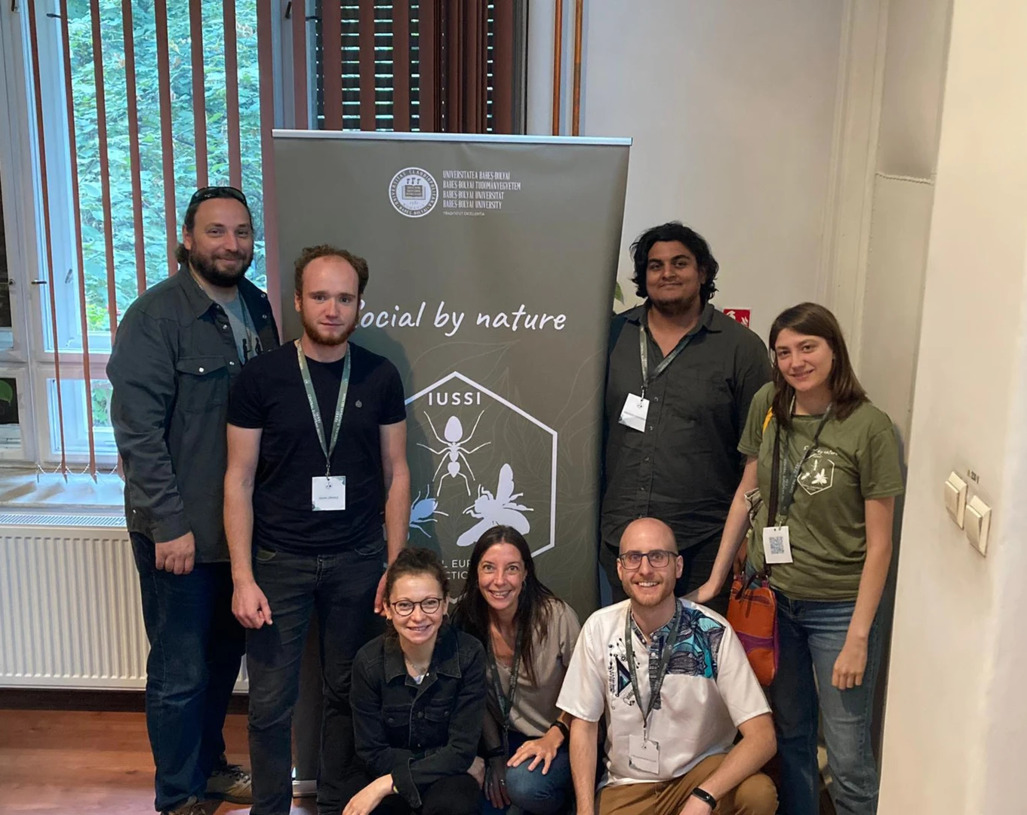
[151,146]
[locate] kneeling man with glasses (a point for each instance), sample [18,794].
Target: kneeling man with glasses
[675,687]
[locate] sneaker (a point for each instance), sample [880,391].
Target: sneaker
[230,782]
[190,806]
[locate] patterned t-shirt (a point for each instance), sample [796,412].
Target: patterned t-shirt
[855,460]
[708,691]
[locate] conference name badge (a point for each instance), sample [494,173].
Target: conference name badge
[328,493]
[776,546]
[636,409]
[644,754]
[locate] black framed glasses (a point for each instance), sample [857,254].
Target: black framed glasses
[207,193]
[658,559]
[429,605]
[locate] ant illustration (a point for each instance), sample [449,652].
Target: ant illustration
[498,509]
[453,449]
[422,510]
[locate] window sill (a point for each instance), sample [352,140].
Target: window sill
[29,493]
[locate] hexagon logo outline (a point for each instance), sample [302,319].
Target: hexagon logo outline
[553,433]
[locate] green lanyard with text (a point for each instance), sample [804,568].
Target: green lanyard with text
[657,681]
[340,406]
[643,353]
[506,703]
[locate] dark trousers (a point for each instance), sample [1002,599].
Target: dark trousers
[452,795]
[340,588]
[195,649]
[698,566]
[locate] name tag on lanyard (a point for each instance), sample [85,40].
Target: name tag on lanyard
[635,412]
[328,493]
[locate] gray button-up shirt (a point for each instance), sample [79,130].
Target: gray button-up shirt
[173,362]
[685,467]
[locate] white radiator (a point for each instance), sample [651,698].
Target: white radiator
[70,613]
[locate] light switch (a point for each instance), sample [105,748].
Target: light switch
[955,498]
[978,522]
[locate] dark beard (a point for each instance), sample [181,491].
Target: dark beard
[205,267]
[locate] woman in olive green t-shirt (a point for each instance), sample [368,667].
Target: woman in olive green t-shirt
[829,547]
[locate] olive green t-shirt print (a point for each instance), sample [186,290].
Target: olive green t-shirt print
[855,460]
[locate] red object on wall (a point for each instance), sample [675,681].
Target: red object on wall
[739,315]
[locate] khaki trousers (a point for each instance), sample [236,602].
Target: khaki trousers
[756,795]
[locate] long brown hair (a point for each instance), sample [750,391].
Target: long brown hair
[533,606]
[815,320]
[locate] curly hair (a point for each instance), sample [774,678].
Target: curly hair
[696,244]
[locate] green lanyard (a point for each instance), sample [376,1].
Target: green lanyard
[643,353]
[789,480]
[340,405]
[665,655]
[506,703]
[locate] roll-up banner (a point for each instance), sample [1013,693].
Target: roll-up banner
[492,264]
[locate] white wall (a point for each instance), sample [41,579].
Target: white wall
[731,106]
[955,716]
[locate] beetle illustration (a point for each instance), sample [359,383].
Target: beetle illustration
[422,511]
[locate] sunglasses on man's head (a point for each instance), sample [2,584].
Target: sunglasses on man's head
[207,193]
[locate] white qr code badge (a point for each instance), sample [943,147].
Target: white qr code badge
[776,546]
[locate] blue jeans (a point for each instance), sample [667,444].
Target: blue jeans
[195,649]
[341,589]
[811,635]
[534,793]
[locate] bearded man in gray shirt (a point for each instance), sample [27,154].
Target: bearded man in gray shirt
[177,351]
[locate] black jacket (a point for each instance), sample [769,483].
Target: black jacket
[418,733]
[172,365]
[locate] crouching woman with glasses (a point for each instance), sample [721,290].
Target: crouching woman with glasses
[418,701]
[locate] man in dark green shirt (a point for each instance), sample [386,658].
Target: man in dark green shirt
[676,403]
[177,351]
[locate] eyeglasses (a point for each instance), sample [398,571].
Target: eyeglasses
[207,193]
[658,558]
[429,605]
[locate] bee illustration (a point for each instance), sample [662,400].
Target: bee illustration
[422,511]
[495,510]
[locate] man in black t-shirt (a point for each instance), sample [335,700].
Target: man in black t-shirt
[316,463]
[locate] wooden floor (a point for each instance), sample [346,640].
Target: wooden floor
[90,762]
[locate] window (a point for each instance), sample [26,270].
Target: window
[114,120]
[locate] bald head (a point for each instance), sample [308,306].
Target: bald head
[646,534]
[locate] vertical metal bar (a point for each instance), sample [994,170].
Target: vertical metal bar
[77,210]
[331,38]
[368,120]
[401,65]
[105,167]
[37,87]
[267,123]
[502,105]
[160,13]
[199,92]
[452,86]
[232,96]
[557,64]
[428,55]
[299,62]
[579,13]
[133,139]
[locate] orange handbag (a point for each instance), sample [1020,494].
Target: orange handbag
[752,613]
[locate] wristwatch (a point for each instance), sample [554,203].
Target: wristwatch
[705,797]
